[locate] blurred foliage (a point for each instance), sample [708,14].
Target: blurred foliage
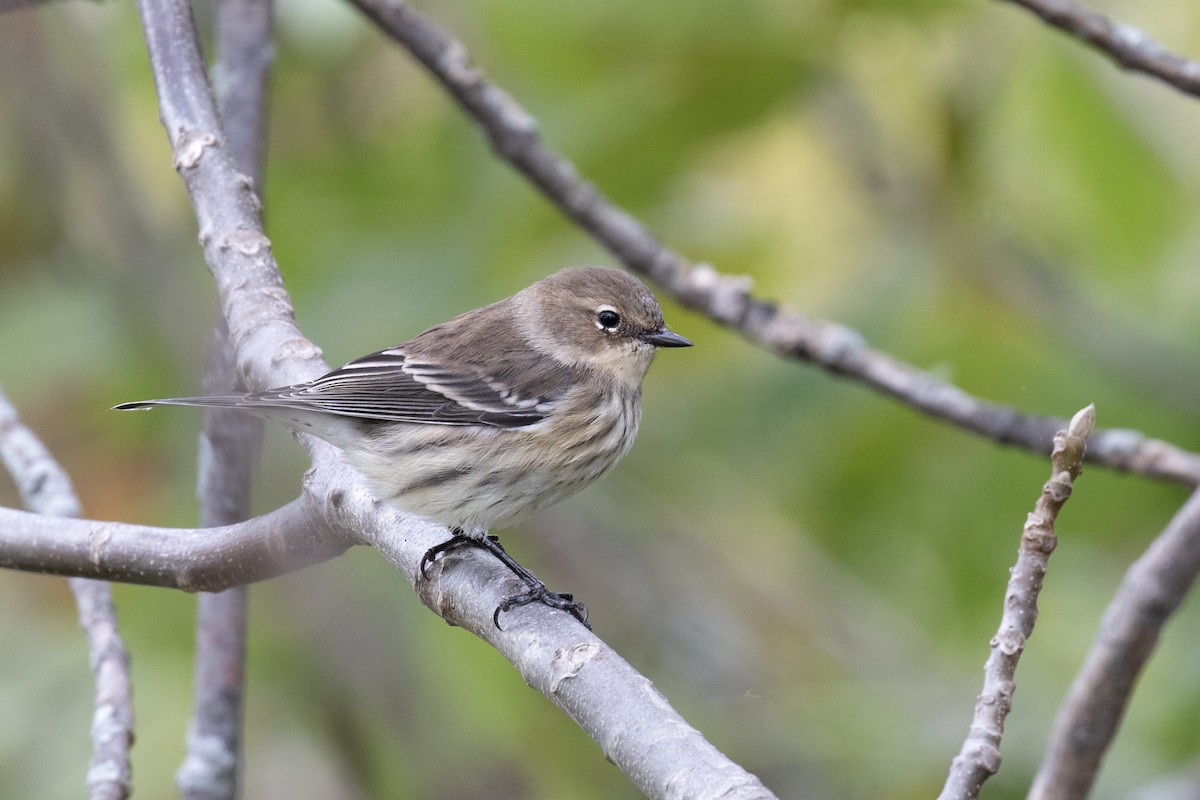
[808,570]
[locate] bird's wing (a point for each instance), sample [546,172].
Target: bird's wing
[391,385]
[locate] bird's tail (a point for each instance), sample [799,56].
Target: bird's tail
[298,415]
[226,401]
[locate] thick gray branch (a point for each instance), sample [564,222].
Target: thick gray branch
[620,709]
[979,758]
[1151,591]
[270,349]
[199,559]
[513,133]
[47,490]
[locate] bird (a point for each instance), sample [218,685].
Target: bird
[481,421]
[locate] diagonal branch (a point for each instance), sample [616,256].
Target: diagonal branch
[979,758]
[1124,44]
[270,349]
[620,709]
[513,133]
[46,489]
[1150,593]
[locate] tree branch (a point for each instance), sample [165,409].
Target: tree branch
[211,769]
[979,758]
[513,133]
[1124,44]
[1151,591]
[242,71]
[229,445]
[46,489]
[270,349]
[620,709]
[197,559]
[230,441]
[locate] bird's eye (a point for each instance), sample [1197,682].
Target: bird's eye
[608,319]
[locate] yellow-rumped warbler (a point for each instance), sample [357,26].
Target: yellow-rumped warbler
[496,414]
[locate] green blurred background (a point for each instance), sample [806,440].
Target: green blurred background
[809,571]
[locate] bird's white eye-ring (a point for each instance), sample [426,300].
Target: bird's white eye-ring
[607,318]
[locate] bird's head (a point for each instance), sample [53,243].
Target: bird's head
[601,318]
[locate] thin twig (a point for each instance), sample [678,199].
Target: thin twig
[1150,593]
[513,133]
[46,489]
[1124,44]
[979,758]
[230,441]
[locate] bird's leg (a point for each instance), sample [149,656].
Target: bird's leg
[537,590]
[458,539]
[538,593]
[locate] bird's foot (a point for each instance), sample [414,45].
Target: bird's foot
[537,592]
[456,541]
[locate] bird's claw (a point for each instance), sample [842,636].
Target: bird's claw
[540,594]
[457,540]
[537,592]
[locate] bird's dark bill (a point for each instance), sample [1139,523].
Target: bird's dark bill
[666,338]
